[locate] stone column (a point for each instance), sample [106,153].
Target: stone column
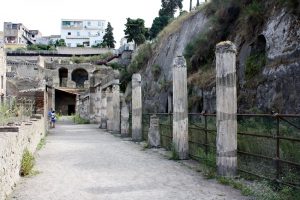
[180,108]
[116,108]
[98,104]
[153,134]
[109,110]
[136,108]
[103,110]
[124,119]
[226,108]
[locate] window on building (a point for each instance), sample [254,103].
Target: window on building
[89,33]
[89,23]
[78,33]
[69,33]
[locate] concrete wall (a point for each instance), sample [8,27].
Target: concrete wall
[12,146]
[83,51]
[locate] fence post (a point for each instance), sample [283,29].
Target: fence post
[206,139]
[137,108]
[277,148]
[180,108]
[226,109]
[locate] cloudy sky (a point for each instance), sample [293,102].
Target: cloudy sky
[45,15]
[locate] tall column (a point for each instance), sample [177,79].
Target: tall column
[180,108]
[103,110]
[226,108]
[98,104]
[116,108]
[124,119]
[109,109]
[136,108]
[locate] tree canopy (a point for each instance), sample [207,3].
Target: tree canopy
[158,24]
[169,7]
[135,30]
[108,38]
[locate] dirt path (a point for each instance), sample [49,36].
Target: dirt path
[84,162]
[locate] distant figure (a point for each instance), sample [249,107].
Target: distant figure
[49,116]
[53,119]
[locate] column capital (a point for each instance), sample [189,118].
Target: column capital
[226,47]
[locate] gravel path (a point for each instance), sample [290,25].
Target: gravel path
[83,162]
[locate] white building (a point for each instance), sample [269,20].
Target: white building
[47,39]
[77,32]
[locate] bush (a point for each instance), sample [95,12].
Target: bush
[254,64]
[79,120]
[27,163]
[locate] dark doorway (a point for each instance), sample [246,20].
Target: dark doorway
[71,109]
[63,100]
[79,76]
[63,77]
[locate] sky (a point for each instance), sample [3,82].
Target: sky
[46,15]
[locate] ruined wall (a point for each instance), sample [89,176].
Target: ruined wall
[2,73]
[13,142]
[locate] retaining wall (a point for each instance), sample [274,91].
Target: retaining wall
[13,141]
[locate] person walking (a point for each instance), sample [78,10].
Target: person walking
[53,119]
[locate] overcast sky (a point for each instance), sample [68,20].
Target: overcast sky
[45,15]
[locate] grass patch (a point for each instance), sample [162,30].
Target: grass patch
[41,144]
[27,163]
[174,153]
[79,120]
[90,59]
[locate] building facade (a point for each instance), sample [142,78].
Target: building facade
[82,33]
[17,33]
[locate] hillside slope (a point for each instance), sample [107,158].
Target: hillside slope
[268,60]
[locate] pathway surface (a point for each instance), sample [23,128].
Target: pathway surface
[83,162]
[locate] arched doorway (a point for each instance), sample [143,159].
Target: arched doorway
[63,77]
[79,76]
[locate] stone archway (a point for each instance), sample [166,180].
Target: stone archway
[79,76]
[63,77]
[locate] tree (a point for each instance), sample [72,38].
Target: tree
[198,4]
[108,38]
[169,7]
[60,43]
[135,30]
[158,24]
[191,2]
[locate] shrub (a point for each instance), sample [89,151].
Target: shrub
[79,120]
[156,69]
[27,163]
[254,64]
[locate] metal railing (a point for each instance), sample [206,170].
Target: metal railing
[268,144]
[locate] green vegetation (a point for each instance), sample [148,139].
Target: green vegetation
[254,65]
[50,47]
[135,31]
[156,70]
[27,163]
[90,59]
[41,144]
[144,53]
[174,155]
[79,120]
[108,38]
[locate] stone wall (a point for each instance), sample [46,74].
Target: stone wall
[13,142]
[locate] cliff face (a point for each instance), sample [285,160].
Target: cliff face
[157,86]
[276,86]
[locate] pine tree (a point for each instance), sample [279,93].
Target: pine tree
[108,38]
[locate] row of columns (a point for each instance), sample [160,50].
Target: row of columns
[226,122]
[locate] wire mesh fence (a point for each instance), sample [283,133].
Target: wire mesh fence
[15,110]
[268,144]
